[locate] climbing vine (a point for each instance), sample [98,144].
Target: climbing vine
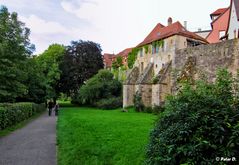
[159,43]
[146,48]
[133,56]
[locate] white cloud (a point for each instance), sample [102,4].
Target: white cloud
[115,24]
[44,33]
[41,26]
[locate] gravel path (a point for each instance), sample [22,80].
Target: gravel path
[34,144]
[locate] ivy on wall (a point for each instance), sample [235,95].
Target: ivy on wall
[146,48]
[159,43]
[133,54]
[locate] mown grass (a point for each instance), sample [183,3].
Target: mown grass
[87,136]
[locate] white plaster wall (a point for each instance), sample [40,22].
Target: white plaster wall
[233,24]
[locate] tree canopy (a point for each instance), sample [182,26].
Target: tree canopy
[50,61]
[81,61]
[15,47]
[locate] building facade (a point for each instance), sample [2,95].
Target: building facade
[155,56]
[233,23]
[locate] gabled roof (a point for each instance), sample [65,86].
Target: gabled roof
[108,58]
[218,12]
[161,32]
[220,15]
[108,55]
[124,52]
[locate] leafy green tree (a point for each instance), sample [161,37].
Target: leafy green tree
[36,82]
[101,86]
[82,60]
[15,47]
[198,125]
[50,61]
[118,62]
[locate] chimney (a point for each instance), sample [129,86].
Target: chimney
[185,25]
[170,21]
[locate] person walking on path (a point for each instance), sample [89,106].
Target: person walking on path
[50,106]
[56,108]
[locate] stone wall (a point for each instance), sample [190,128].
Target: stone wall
[210,57]
[146,93]
[128,95]
[193,62]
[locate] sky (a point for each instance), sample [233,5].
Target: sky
[114,24]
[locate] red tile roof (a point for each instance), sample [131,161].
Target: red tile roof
[124,52]
[218,12]
[161,32]
[108,59]
[226,9]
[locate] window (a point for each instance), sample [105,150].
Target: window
[153,49]
[235,33]
[157,49]
[141,52]
[221,34]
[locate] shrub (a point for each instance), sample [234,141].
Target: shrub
[11,114]
[138,104]
[198,125]
[148,109]
[100,86]
[110,103]
[158,109]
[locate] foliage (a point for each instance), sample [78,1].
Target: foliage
[146,48]
[120,73]
[81,61]
[138,104]
[109,103]
[14,49]
[155,79]
[154,110]
[118,62]
[132,57]
[11,114]
[106,137]
[159,43]
[49,61]
[198,125]
[100,86]
[35,82]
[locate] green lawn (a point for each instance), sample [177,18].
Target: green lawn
[88,136]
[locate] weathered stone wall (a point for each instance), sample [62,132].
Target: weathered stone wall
[129,87]
[208,59]
[156,94]
[128,95]
[146,93]
[193,62]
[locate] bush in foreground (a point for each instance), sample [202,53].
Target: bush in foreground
[11,114]
[198,125]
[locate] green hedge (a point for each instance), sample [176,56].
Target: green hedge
[11,114]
